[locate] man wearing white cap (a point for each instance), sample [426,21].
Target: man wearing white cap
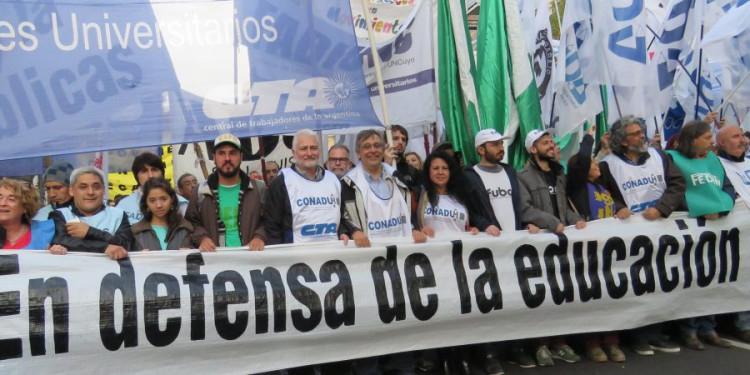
[496,186]
[543,186]
[226,209]
[545,202]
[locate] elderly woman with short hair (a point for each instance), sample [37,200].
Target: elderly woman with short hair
[19,203]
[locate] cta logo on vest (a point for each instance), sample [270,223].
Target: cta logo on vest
[319,229]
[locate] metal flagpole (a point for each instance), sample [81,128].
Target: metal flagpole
[378,75]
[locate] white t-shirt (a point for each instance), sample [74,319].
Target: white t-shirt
[500,192]
[448,216]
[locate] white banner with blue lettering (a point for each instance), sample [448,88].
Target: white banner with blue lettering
[243,312]
[78,75]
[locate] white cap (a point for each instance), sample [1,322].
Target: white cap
[533,136]
[487,135]
[227,138]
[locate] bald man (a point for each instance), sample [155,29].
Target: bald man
[732,147]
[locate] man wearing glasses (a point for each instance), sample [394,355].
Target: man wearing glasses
[642,179]
[338,160]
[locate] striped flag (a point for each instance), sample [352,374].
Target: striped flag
[508,96]
[458,95]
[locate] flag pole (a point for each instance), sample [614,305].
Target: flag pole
[698,76]
[378,75]
[559,17]
[734,90]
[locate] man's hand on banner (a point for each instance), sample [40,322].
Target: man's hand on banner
[580,224]
[533,229]
[428,231]
[493,231]
[652,214]
[58,249]
[360,240]
[256,244]
[418,236]
[116,252]
[207,245]
[560,228]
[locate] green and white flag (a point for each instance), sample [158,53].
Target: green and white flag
[458,95]
[508,96]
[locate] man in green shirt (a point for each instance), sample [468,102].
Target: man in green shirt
[226,209]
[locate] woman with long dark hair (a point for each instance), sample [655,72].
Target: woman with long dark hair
[444,205]
[162,226]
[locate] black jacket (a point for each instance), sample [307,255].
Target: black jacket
[483,215]
[96,240]
[578,177]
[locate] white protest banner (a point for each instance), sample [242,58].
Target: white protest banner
[238,311]
[403,36]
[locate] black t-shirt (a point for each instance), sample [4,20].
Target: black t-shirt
[551,179]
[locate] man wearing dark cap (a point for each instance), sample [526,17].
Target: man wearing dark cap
[145,166]
[56,185]
[226,209]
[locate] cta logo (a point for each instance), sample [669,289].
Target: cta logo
[319,229]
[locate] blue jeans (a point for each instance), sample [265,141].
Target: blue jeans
[702,325]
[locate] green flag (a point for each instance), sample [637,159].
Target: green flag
[508,97]
[458,97]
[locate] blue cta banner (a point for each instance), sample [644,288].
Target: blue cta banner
[79,76]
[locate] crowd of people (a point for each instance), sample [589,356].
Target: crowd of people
[392,193]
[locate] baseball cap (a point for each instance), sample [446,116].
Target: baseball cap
[533,136]
[487,135]
[227,138]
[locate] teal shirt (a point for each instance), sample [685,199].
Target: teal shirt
[229,197]
[161,234]
[704,179]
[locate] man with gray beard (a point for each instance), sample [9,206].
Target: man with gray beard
[642,179]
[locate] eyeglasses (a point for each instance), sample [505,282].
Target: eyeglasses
[368,146]
[337,160]
[635,133]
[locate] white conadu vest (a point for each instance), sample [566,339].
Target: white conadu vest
[107,220]
[448,216]
[316,206]
[739,174]
[641,185]
[385,217]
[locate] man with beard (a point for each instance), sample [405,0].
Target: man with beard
[226,209]
[545,201]
[642,179]
[495,184]
[304,201]
[410,175]
[732,147]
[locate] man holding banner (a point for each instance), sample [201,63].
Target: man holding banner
[226,209]
[732,148]
[376,202]
[304,201]
[642,179]
[89,225]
